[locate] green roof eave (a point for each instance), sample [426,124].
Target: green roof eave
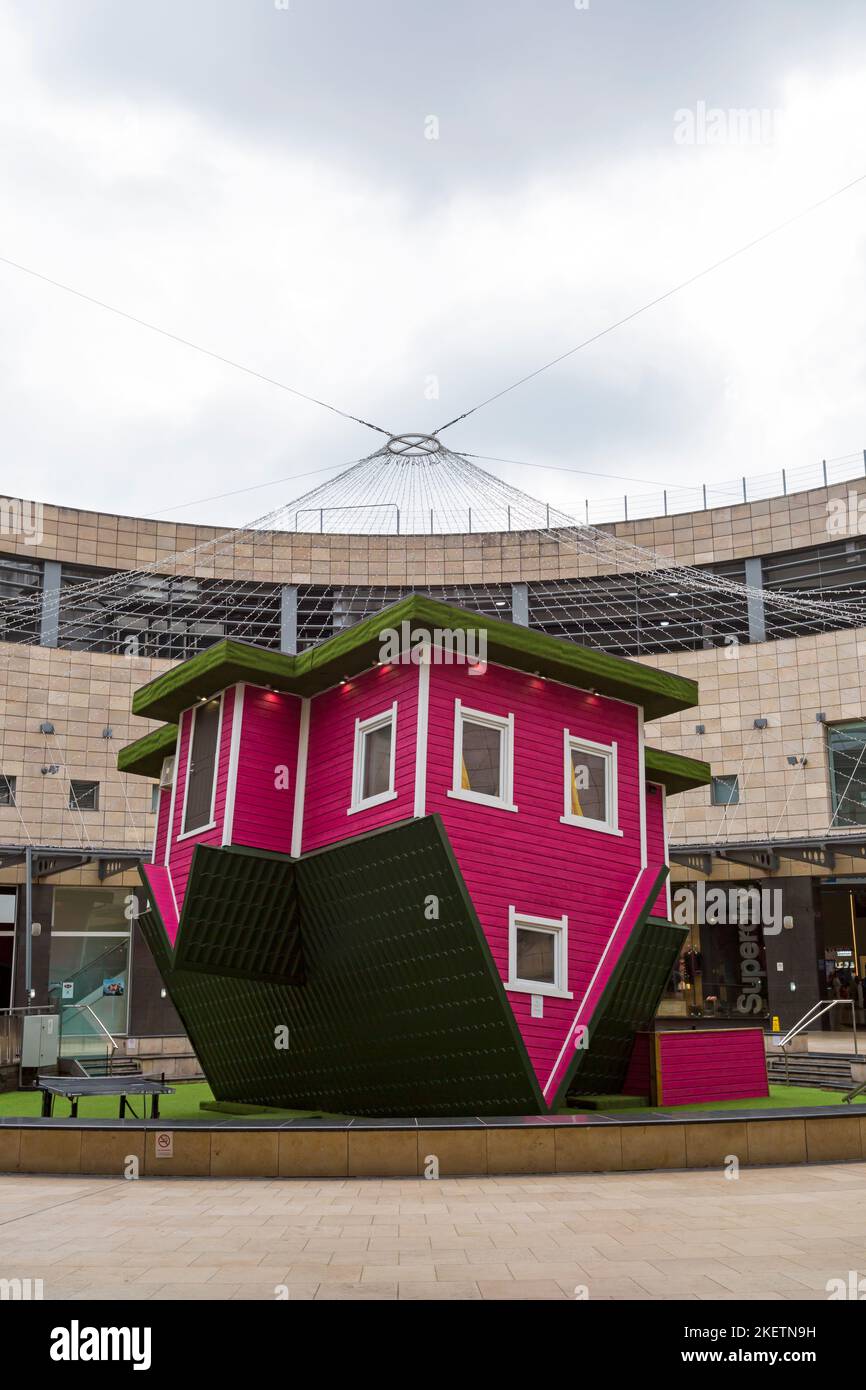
[675,772]
[209,672]
[508,644]
[357,648]
[144,758]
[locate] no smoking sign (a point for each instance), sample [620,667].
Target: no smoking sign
[164,1144]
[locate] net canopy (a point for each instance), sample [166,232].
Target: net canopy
[590,586]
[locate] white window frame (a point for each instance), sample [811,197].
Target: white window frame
[505,725]
[554,926]
[573,743]
[363,727]
[211,823]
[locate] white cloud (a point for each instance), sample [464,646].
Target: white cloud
[317,274]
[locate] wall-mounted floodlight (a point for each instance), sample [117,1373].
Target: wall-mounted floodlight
[46,728]
[760,723]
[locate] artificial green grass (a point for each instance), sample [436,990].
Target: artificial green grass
[794,1096]
[190,1096]
[185,1104]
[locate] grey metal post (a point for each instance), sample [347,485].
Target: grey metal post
[520,604]
[28,922]
[755,580]
[784,483]
[289,619]
[625,506]
[745,496]
[824,462]
[49,631]
[666,501]
[705,496]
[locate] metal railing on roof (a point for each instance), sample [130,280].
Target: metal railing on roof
[706,496]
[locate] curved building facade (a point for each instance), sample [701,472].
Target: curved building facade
[104,603]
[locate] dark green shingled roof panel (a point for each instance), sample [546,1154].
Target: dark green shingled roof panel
[628,1005]
[355,648]
[241,917]
[402,1011]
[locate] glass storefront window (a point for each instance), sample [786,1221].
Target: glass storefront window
[722,967]
[89,959]
[847,750]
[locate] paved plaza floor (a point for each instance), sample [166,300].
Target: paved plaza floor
[772,1233]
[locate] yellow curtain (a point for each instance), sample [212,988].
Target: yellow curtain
[464,777]
[576,808]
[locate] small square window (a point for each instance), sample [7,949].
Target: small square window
[591,791]
[84,796]
[483,757]
[7,790]
[374,766]
[537,954]
[725,791]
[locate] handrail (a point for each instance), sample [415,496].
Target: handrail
[73,1008]
[812,1013]
[811,1016]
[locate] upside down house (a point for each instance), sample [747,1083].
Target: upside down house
[390,880]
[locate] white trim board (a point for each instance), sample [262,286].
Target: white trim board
[301,778]
[169,830]
[234,756]
[421,737]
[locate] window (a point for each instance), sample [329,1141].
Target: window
[154,798]
[200,791]
[373,767]
[89,959]
[847,748]
[84,796]
[7,790]
[591,789]
[537,954]
[725,791]
[483,758]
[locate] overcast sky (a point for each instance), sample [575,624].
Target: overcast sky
[261,180]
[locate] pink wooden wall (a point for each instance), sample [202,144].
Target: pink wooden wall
[263,811]
[162,815]
[722,1064]
[529,859]
[180,853]
[332,750]
[655,837]
[159,884]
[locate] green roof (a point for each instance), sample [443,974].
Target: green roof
[356,648]
[144,757]
[675,772]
